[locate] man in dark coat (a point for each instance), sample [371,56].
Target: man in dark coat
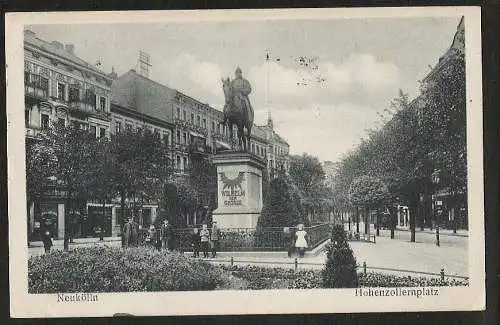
[166,234]
[47,239]
[130,233]
[214,238]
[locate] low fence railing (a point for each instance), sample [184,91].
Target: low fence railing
[251,239]
[358,236]
[364,268]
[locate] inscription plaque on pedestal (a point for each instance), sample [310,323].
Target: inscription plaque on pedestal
[239,187]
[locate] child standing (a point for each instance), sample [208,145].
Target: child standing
[205,239]
[301,242]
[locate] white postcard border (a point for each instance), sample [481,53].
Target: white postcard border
[237,302]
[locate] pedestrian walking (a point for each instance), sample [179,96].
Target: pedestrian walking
[214,238]
[166,235]
[205,238]
[195,242]
[127,233]
[47,240]
[300,240]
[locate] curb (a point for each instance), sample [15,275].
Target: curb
[433,233]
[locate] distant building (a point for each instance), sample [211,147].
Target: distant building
[330,168]
[278,149]
[193,121]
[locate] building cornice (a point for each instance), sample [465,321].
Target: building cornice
[115,108]
[77,65]
[69,74]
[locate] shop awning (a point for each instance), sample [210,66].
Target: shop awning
[195,134]
[222,144]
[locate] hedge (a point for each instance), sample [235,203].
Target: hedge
[105,269]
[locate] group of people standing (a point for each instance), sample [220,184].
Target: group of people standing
[206,240]
[160,239]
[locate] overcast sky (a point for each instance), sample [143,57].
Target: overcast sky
[361,64]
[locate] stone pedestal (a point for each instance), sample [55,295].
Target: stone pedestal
[239,187]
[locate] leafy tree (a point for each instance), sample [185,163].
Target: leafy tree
[307,173]
[368,192]
[281,211]
[40,166]
[170,206]
[203,179]
[444,121]
[102,187]
[142,167]
[65,153]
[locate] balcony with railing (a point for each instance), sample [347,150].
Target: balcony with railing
[36,86]
[84,106]
[32,131]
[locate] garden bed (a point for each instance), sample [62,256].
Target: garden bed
[256,278]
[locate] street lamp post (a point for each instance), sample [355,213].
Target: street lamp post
[437,205]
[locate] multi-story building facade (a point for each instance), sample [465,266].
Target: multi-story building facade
[277,150]
[193,122]
[59,87]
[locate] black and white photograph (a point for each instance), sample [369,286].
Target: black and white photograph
[245,161]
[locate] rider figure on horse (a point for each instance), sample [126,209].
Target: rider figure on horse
[242,89]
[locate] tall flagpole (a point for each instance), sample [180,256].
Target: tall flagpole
[267,86]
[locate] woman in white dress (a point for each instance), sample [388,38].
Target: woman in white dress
[301,242]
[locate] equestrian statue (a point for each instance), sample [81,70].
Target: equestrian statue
[237,109]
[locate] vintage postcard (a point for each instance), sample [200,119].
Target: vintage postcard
[245,161]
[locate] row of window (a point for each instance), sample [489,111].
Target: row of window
[45,123]
[280,151]
[181,163]
[258,150]
[129,126]
[65,92]
[199,121]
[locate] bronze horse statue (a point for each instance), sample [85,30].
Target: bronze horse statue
[237,113]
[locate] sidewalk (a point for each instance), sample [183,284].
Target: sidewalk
[443,232]
[77,241]
[36,248]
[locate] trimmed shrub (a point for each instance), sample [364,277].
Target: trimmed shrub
[105,269]
[338,234]
[340,268]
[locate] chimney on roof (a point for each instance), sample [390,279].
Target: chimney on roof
[58,45]
[113,74]
[70,48]
[30,33]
